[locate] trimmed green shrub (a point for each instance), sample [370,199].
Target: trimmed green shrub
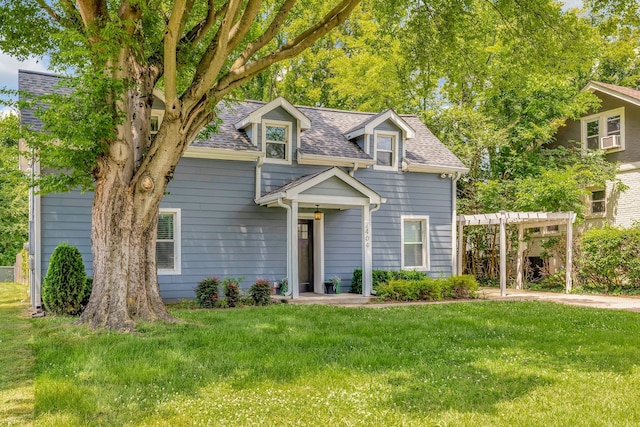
[356,281]
[261,292]
[231,291]
[609,261]
[411,290]
[458,287]
[64,289]
[207,292]
[429,289]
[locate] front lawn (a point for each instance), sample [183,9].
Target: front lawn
[478,363]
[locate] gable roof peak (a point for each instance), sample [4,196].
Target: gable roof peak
[256,115]
[367,126]
[624,93]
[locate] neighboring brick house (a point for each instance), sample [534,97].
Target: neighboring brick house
[614,128]
[284,191]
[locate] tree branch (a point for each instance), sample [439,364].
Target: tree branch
[94,14]
[240,29]
[195,35]
[52,13]
[236,75]
[171,36]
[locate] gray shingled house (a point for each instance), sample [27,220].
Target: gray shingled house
[284,191]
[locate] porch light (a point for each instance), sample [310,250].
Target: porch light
[317,215]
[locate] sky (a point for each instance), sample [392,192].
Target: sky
[9,66]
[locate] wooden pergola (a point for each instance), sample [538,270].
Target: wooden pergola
[524,220]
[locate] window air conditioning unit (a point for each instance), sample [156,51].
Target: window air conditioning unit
[612,141]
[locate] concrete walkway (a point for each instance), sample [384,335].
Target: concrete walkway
[595,301]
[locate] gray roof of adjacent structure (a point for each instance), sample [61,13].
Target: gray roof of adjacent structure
[632,93]
[326,137]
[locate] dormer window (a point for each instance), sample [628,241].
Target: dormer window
[386,146]
[604,131]
[277,141]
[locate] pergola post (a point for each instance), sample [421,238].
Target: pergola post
[503,253]
[569,262]
[461,247]
[520,261]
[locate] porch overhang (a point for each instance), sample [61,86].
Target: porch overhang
[329,189]
[309,191]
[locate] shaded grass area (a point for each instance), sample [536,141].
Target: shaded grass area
[481,363]
[16,359]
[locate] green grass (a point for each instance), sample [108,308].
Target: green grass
[16,359]
[469,364]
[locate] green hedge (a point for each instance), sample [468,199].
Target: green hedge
[609,261]
[381,277]
[428,289]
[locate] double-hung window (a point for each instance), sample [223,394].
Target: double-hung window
[277,142]
[168,242]
[415,242]
[604,131]
[386,146]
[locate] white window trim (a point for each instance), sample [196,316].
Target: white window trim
[177,237]
[602,126]
[426,253]
[289,144]
[394,149]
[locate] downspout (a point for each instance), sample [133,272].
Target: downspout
[259,177]
[353,170]
[289,238]
[454,222]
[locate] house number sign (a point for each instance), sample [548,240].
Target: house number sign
[367,235]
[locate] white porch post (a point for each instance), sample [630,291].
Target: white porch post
[293,280]
[521,248]
[367,275]
[503,254]
[569,262]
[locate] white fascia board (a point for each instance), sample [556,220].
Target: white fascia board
[434,169]
[356,133]
[271,198]
[256,116]
[221,154]
[594,86]
[410,133]
[317,159]
[340,174]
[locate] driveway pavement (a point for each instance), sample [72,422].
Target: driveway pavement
[597,301]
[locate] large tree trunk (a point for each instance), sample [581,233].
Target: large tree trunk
[125,286]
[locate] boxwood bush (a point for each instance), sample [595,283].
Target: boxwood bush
[380,277]
[65,289]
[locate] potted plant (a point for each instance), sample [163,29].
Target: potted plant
[282,287]
[332,286]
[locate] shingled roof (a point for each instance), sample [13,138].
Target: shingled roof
[34,84]
[326,137]
[626,93]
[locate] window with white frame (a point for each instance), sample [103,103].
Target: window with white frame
[276,137]
[386,151]
[168,242]
[415,242]
[604,131]
[598,202]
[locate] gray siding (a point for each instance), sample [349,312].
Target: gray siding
[571,132]
[224,233]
